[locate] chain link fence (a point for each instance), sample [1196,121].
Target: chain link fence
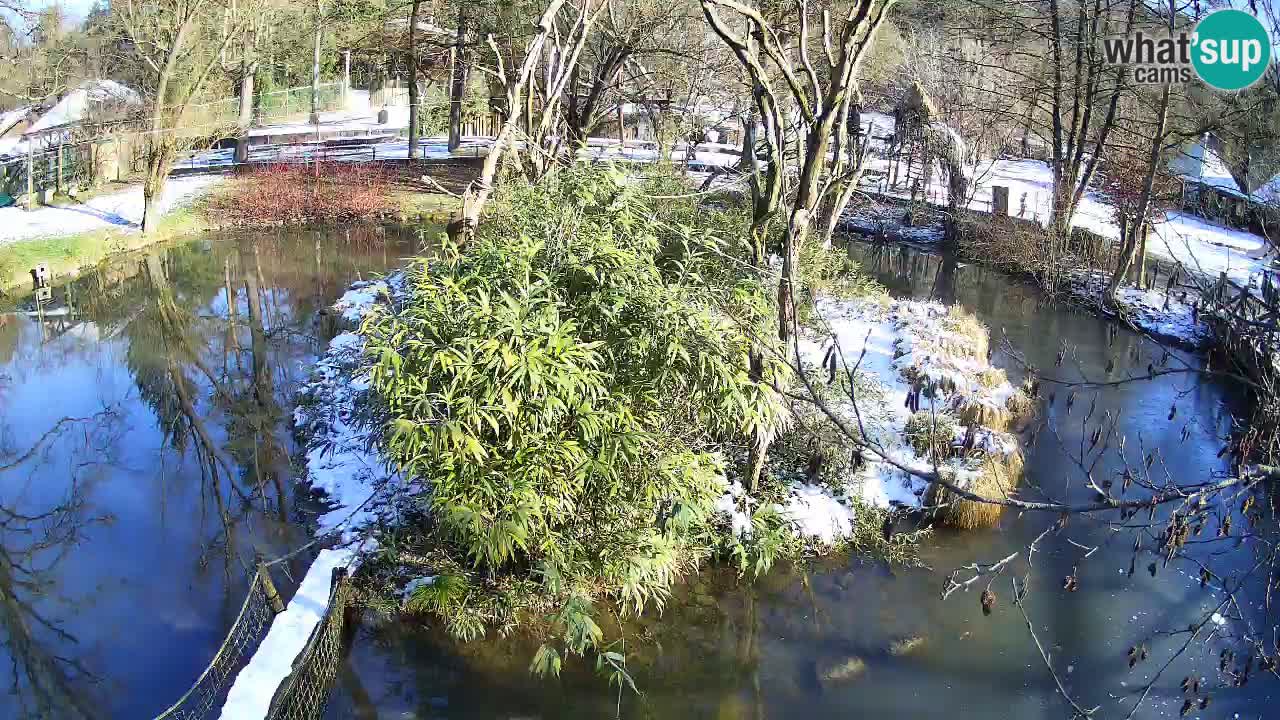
[273,105]
[57,167]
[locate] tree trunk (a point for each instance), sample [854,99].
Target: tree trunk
[153,185]
[1140,263]
[1141,219]
[413,79]
[245,121]
[748,153]
[315,70]
[462,229]
[458,82]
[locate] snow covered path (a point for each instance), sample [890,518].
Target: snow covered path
[120,210]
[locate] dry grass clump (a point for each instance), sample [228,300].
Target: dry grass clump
[992,378]
[996,477]
[974,410]
[1009,244]
[1016,412]
[1021,406]
[973,340]
[931,434]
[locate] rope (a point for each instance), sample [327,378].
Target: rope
[199,699]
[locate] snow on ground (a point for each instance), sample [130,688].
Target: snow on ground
[886,221]
[350,473]
[1165,316]
[1200,245]
[356,302]
[116,211]
[255,685]
[889,342]
[1208,248]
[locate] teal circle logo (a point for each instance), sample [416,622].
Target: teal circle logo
[1232,49]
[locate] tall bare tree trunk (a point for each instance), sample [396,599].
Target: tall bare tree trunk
[1141,220]
[462,229]
[245,121]
[413,79]
[748,139]
[458,82]
[153,188]
[315,69]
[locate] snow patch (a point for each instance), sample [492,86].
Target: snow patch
[116,211]
[889,342]
[360,299]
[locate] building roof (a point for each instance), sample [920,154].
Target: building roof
[9,118]
[75,106]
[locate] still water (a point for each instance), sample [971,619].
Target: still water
[729,649]
[146,456]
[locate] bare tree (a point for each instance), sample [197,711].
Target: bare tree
[458,79]
[514,79]
[180,44]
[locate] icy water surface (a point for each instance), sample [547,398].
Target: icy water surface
[730,650]
[145,457]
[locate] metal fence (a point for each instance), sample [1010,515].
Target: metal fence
[245,634]
[276,104]
[57,167]
[305,692]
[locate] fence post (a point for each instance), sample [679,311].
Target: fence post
[269,588]
[31,176]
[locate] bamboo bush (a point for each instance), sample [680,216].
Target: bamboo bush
[558,391]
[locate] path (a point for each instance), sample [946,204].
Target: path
[120,210]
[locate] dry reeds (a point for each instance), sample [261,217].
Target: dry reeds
[1021,406]
[971,335]
[995,479]
[931,435]
[975,410]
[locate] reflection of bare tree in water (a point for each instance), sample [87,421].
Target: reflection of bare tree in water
[166,356]
[47,679]
[160,352]
[261,415]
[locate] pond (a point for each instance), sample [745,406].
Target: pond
[726,648]
[146,456]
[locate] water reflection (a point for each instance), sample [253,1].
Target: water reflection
[736,650]
[145,458]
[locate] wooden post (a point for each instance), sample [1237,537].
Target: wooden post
[31,176]
[999,200]
[622,129]
[346,78]
[269,588]
[58,184]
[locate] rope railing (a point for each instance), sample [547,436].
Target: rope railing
[255,615]
[303,693]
